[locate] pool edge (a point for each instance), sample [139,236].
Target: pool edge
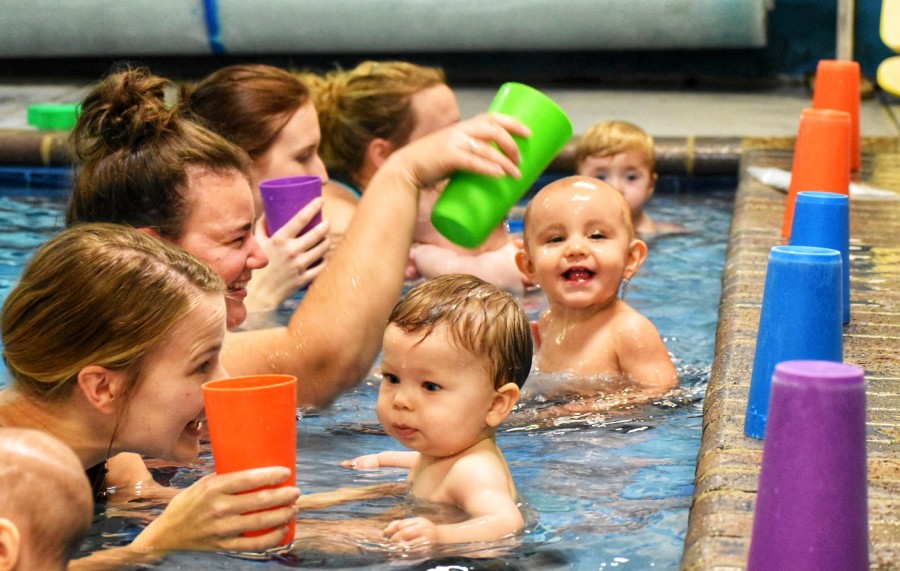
[721,514]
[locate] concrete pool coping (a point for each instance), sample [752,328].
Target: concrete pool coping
[721,517]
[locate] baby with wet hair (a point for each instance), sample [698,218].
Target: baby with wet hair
[45,501]
[580,247]
[457,351]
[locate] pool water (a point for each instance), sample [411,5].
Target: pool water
[605,489]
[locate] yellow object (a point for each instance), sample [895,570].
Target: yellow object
[889,75]
[889,69]
[890,24]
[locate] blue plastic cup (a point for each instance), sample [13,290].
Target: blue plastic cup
[823,219]
[811,511]
[800,319]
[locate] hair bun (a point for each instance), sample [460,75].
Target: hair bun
[127,108]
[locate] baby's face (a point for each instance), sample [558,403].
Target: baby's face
[578,245]
[628,172]
[434,397]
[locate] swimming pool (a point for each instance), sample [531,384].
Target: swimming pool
[604,490]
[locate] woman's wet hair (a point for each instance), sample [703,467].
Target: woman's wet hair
[479,318]
[136,151]
[370,101]
[96,294]
[247,104]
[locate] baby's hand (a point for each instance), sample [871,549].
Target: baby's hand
[414,531]
[367,462]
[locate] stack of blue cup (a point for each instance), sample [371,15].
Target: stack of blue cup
[822,219]
[801,318]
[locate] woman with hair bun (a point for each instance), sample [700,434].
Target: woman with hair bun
[146,165]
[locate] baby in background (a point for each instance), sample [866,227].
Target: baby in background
[622,154]
[45,501]
[457,351]
[579,247]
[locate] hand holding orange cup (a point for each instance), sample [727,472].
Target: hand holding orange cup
[253,424]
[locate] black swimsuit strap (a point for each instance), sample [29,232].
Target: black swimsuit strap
[96,475]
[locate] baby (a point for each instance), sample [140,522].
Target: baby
[457,351]
[579,246]
[45,501]
[622,154]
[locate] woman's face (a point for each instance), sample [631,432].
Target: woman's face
[163,415]
[219,231]
[433,109]
[294,152]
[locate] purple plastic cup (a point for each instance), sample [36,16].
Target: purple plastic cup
[282,198]
[811,510]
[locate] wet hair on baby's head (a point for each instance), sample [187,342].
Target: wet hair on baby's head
[587,183]
[614,137]
[478,317]
[45,495]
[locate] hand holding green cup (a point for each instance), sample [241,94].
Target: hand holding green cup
[473,205]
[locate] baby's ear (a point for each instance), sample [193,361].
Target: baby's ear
[637,253]
[654,178]
[10,543]
[505,399]
[523,261]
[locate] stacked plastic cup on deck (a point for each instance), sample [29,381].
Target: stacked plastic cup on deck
[838,87]
[811,505]
[809,406]
[821,158]
[800,319]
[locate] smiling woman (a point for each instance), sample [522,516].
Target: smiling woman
[94,361]
[268,112]
[146,164]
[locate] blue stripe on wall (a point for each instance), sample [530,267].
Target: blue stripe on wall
[211,13]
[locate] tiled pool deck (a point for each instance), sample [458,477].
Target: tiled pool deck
[728,464]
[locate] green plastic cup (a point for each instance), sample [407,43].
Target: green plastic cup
[473,205]
[53,116]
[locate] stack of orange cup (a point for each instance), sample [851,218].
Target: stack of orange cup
[821,158]
[838,87]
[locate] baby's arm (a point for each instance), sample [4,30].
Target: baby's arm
[386,459]
[480,487]
[344,495]
[643,356]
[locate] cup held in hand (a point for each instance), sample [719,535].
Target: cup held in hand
[253,424]
[473,205]
[282,198]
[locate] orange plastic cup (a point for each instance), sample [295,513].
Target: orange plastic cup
[838,87]
[253,424]
[821,158]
